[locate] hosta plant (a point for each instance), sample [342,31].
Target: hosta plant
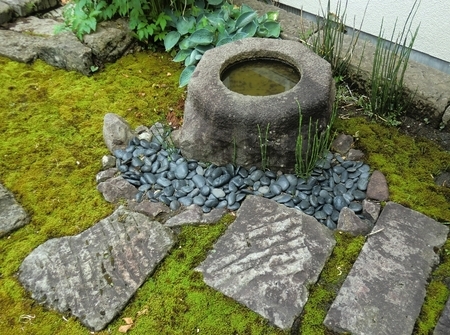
[203,28]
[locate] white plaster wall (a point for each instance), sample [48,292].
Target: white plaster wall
[432,15]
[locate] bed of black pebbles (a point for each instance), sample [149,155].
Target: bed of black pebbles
[161,174]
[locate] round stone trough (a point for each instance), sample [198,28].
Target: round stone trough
[221,126]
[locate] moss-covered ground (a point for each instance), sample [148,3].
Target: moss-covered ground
[50,150]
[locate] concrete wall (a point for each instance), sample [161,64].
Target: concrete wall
[433,40]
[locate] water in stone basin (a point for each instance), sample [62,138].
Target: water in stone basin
[260,77]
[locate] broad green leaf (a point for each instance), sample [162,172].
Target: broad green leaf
[202,36]
[239,36]
[273,28]
[262,31]
[223,41]
[186,75]
[245,8]
[203,48]
[185,24]
[192,58]
[272,15]
[214,2]
[171,40]
[249,29]
[245,18]
[200,4]
[181,55]
[230,27]
[186,44]
[222,35]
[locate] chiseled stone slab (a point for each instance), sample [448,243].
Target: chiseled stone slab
[267,259]
[386,287]
[94,274]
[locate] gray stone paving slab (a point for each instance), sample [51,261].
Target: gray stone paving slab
[267,259]
[12,215]
[443,325]
[94,274]
[386,286]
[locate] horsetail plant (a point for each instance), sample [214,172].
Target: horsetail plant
[387,97]
[317,144]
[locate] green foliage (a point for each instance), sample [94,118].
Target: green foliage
[146,18]
[310,150]
[201,29]
[387,100]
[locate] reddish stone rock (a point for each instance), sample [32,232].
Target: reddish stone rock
[377,189]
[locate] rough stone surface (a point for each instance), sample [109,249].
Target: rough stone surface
[146,207]
[12,215]
[117,132]
[342,143]
[386,287]
[17,46]
[93,275]
[355,155]
[443,325]
[110,41]
[27,7]
[116,189]
[105,175]
[193,214]
[66,51]
[443,179]
[377,189]
[267,259]
[226,127]
[351,223]
[372,209]
[34,25]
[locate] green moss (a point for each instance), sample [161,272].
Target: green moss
[325,290]
[437,294]
[409,164]
[175,300]
[50,152]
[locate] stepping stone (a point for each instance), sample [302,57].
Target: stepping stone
[12,215]
[267,259]
[94,274]
[386,287]
[443,325]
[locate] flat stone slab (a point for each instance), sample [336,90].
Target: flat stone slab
[94,274]
[12,215]
[443,325]
[267,259]
[386,287]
